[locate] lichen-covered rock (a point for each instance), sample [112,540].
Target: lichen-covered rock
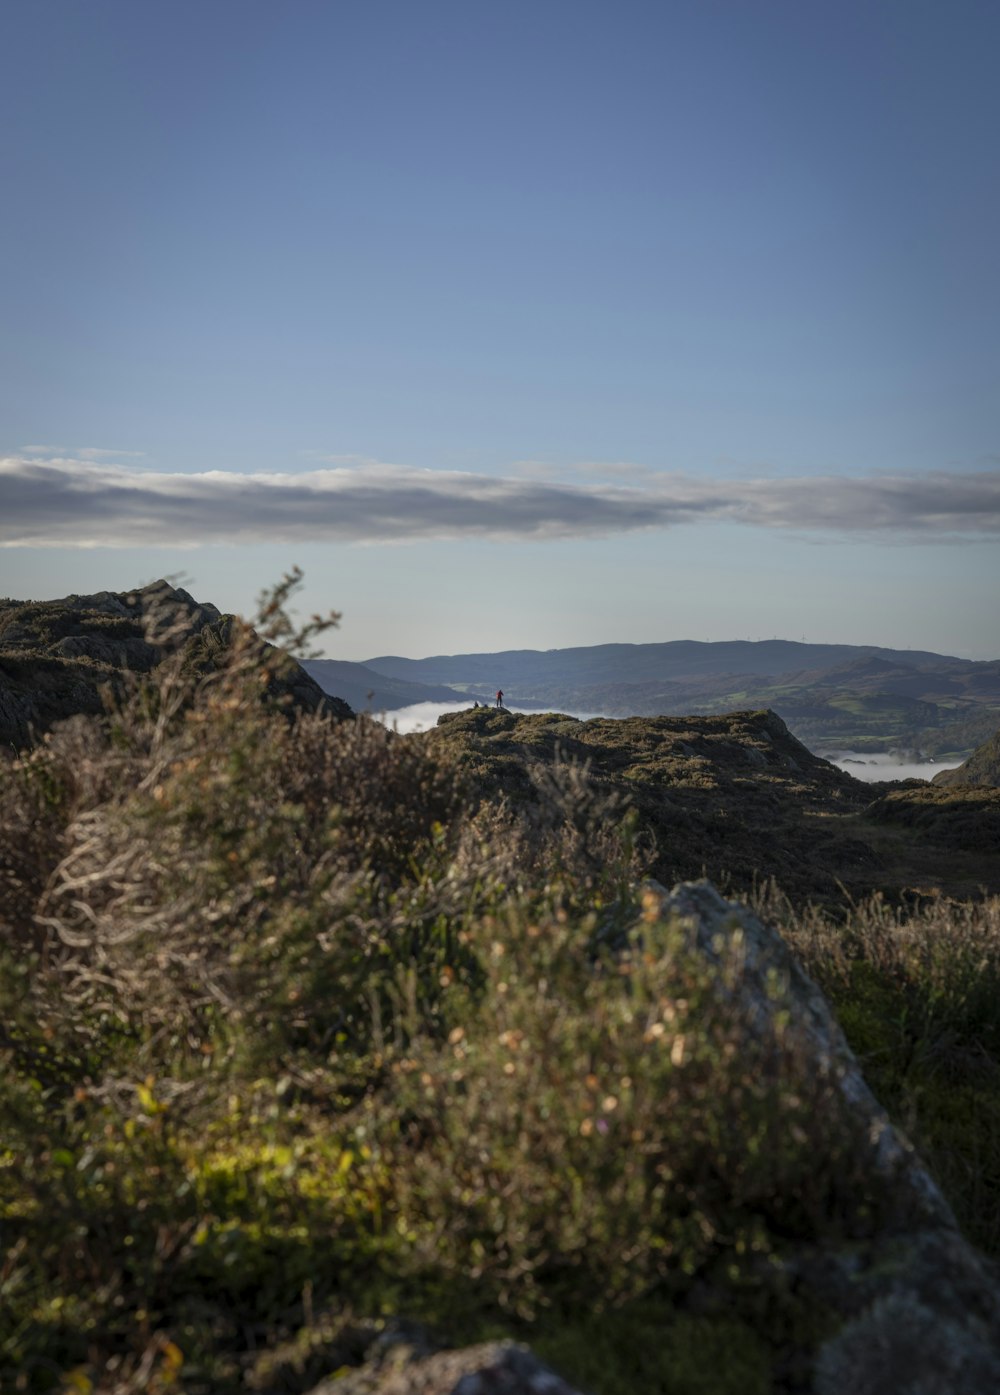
[915,1274]
[767,967]
[900,1346]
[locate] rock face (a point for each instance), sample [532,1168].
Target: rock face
[57,656]
[711,922]
[911,1307]
[982,767]
[917,1267]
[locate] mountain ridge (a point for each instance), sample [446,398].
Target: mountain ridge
[773,656]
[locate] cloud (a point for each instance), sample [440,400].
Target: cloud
[89,453]
[64,502]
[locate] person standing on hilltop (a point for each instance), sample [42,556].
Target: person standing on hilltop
[499,697]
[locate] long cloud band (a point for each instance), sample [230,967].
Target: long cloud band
[78,503]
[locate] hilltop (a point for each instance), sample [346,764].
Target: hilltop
[738,798]
[735,795]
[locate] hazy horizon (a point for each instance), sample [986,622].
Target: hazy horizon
[334,644]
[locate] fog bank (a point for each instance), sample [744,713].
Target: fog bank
[884,766]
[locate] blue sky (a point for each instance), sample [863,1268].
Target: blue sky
[519,325]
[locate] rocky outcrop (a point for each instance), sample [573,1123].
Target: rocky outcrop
[57,657]
[770,979]
[916,1265]
[982,767]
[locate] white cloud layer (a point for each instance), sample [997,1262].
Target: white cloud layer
[63,502]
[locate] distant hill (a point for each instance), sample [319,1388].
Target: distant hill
[672,661]
[368,691]
[831,695]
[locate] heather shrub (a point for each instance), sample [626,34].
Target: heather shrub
[300,1029]
[600,1126]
